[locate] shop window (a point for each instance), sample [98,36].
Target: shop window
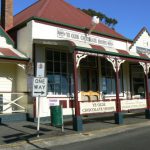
[108,78]
[89,62]
[137,80]
[59,72]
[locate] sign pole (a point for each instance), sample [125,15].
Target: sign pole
[38,123]
[62,127]
[39,89]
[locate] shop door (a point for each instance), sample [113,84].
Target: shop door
[89,80]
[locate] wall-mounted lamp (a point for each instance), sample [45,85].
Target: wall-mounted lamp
[95,20]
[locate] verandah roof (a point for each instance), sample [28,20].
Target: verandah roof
[85,47]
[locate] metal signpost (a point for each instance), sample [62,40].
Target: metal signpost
[39,89]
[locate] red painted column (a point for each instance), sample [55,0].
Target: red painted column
[77,107]
[147,111]
[118,114]
[147,91]
[77,119]
[118,104]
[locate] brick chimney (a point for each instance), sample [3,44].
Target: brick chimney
[7,14]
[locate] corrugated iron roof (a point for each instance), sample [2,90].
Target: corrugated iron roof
[62,12]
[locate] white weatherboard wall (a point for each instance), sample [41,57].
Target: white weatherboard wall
[21,85]
[7,84]
[45,106]
[24,39]
[51,33]
[143,41]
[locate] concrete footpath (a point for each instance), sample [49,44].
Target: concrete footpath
[22,135]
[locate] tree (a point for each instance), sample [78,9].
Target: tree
[110,22]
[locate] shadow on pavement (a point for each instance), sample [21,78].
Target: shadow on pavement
[19,138]
[34,127]
[36,146]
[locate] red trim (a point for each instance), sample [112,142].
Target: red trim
[8,52]
[71,104]
[143,55]
[118,103]
[147,89]
[123,52]
[77,105]
[63,103]
[98,47]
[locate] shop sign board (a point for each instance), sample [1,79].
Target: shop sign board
[97,107]
[39,87]
[78,36]
[133,104]
[53,102]
[142,50]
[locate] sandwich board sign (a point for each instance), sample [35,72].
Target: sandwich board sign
[39,87]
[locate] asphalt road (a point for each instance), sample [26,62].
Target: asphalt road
[138,139]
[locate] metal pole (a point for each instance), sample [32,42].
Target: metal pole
[38,123]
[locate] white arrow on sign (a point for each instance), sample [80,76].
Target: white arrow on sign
[39,87]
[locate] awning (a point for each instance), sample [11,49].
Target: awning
[13,54]
[7,51]
[85,47]
[115,52]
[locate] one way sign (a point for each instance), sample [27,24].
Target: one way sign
[39,87]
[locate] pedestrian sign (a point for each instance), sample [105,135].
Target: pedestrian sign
[39,87]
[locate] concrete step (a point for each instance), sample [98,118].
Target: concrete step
[13,117]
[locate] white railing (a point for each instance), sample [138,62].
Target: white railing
[11,102]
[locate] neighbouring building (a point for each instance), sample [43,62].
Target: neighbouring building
[88,73]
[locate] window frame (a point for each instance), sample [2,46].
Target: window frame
[111,75]
[60,73]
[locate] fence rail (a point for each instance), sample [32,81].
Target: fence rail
[11,102]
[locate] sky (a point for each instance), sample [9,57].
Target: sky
[132,15]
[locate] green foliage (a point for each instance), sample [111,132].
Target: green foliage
[110,22]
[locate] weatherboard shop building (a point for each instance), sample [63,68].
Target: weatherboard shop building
[90,69]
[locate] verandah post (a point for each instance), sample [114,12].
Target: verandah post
[77,119]
[118,114]
[146,67]
[147,111]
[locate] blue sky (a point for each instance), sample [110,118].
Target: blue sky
[132,15]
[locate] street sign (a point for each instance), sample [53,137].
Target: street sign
[39,87]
